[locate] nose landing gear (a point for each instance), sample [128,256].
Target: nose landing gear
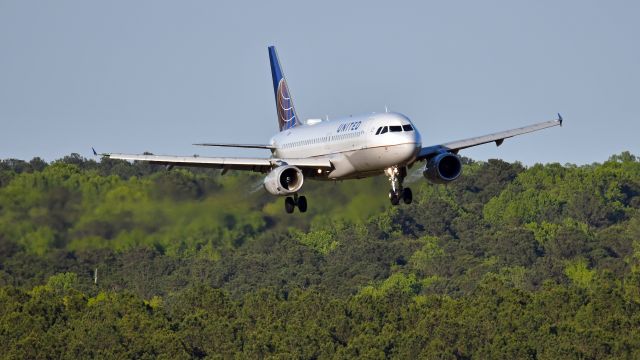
[290,203]
[396,177]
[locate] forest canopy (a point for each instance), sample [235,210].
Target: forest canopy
[112,259]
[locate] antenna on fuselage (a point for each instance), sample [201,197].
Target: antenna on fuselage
[386,109]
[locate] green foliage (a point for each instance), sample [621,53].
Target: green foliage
[507,262]
[394,284]
[596,195]
[38,241]
[579,274]
[427,258]
[322,240]
[62,283]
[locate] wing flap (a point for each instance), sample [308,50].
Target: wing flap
[240,163]
[247,146]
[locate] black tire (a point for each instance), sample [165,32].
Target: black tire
[407,196]
[302,204]
[393,197]
[289,205]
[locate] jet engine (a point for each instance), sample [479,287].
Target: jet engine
[284,180]
[443,168]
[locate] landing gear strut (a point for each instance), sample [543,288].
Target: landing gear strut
[396,177]
[290,203]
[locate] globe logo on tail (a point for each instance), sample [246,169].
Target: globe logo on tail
[286,113]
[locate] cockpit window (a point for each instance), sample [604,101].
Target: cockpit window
[395,128]
[384,130]
[379,129]
[407,127]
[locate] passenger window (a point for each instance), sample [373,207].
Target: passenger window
[407,127]
[384,130]
[395,128]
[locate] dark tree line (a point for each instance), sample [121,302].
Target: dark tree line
[508,262]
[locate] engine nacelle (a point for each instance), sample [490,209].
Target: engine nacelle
[443,168]
[284,180]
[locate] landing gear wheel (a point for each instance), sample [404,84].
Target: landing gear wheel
[289,205]
[407,196]
[396,176]
[394,198]
[302,204]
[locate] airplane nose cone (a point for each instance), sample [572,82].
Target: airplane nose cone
[417,138]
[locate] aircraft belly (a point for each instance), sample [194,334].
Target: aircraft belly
[368,162]
[361,162]
[382,157]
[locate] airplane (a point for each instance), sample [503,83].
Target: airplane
[351,147]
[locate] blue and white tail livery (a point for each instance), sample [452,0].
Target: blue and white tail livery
[350,147]
[287,116]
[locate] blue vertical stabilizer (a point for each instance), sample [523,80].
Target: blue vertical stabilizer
[287,116]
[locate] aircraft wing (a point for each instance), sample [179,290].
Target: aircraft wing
[225,163]
[498,138]
[248,146]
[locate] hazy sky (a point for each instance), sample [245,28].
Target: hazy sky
[135,76]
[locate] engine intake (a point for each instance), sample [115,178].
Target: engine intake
[284,180]
[443,168]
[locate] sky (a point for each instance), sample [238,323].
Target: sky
[158,76]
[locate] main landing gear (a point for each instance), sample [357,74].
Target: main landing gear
[290,203]
[396,177]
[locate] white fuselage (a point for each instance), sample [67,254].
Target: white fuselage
[358,146]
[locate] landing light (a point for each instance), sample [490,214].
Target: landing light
[319,171]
